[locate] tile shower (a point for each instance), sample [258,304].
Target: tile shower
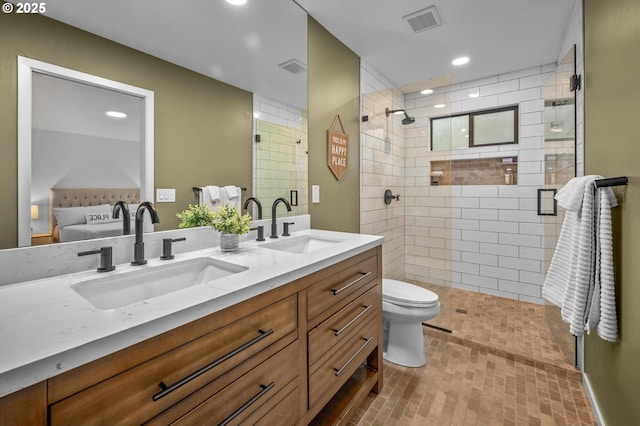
[485,238]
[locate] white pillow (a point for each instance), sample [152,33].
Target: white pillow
[96,218]
[66,216]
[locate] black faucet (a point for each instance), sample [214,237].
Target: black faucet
[106,258]
[138,246]
[126,217]
[274,225]
[255,200]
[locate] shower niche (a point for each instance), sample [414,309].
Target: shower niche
[475,171]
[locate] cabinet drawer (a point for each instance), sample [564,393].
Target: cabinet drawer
[285,411]
[331,375]
[140,393]
[255,390]
[329,335]
[332,293]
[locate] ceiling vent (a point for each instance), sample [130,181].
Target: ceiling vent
[294,66]
[423,19]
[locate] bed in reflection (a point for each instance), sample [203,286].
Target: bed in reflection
[85,213]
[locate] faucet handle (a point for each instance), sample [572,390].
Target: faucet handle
[106,258]
[167,247]
[260,230]
[285,231]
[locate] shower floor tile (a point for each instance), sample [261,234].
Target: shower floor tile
[498,367]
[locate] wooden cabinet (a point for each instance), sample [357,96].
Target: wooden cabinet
[41,239]
[344,337]
[305,352]
[27,407]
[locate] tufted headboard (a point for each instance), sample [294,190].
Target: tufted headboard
[83,197]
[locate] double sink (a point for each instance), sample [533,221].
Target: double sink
[116,290]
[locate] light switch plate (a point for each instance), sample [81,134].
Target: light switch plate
[165,195]
[315,193]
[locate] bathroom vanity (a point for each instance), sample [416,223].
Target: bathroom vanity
[296,338]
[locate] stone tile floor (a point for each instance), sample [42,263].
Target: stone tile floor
[501,365]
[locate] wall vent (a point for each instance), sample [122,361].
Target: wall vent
[423,19]
[294,66]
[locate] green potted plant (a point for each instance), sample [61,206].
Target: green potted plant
[230,223]
[195,216]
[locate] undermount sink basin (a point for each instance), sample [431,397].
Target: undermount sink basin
[115,291]
[302,244]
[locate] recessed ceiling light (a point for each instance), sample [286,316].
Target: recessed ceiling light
[116,114]
[439,106]
[237,2]
[426,91]
[460,61]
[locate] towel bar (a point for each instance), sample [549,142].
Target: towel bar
[616,181]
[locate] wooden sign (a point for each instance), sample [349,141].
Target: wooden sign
[337,149]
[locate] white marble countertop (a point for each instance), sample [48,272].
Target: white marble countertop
[46,328]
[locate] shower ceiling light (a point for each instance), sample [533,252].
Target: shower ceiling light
[426,91]
[237,2]
[460,61]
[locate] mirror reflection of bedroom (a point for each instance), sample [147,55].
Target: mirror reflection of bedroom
[86,154]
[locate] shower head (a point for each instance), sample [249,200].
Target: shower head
[406,120]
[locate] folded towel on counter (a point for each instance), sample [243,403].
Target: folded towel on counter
[580,276]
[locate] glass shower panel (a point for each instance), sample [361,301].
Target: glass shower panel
[559,168]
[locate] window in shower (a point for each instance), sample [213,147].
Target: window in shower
[480,128]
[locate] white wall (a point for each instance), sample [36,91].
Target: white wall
[59,160]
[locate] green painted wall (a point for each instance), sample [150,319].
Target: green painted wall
[612,148]
[202,126]
[333,88]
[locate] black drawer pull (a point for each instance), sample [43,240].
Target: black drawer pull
[346,364]
[168,389]
[264,390]
[354,319]
[361,277]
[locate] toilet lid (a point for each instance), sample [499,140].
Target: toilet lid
[405,294]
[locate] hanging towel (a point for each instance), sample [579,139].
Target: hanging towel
[231,196]
[580,276]
[210,197]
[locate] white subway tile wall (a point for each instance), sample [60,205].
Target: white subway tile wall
[280,164]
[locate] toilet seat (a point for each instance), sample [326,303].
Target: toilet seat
[405,294]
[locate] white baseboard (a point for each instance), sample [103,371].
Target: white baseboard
[592,400]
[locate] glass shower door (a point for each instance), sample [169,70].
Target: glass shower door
[559,168]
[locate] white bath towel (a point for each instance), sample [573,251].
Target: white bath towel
[231,196]
[210,196]
[580,277]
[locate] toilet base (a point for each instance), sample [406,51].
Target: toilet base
[404,343]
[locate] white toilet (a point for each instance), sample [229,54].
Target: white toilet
[404,307]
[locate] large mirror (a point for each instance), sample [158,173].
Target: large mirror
[84,143]
[60,147]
